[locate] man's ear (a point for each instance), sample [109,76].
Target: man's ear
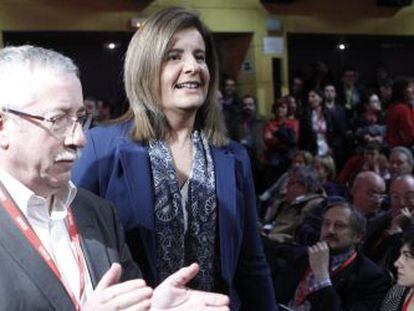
[4,135]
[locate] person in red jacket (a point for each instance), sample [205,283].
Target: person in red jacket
[280,136]
[400,115]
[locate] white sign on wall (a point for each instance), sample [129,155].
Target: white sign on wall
[273,45]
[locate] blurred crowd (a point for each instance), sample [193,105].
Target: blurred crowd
[334,153]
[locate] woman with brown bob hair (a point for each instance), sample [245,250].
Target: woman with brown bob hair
[183,191]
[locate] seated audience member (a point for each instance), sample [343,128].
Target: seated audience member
[400,115]
[372,159]
[303,194]
[400,161]
[325,168]
[62,247]
[383,237]
[334,274]
[367,193]
[280,137]
[400,296]
[302,158]
[277,191]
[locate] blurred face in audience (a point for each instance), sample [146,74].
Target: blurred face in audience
[229,87]
[320,169]
[294,189]
[314,99]
[281,110]
[298,160]
[297,85]
[337,231]
[329,93]
[374,104]
[409,91]
[368,193]
[249,106]
[386,91]
[371,157]
[399,164]
[402,194]
[405,267]
[349,78]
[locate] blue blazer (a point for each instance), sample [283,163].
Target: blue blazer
[118,169]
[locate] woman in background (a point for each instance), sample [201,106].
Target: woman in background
[184,192]
[400,115]
[280,136]
[316,131]
[401,296]
[325,168]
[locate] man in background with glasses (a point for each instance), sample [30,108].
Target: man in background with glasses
[368,193]
[383,242]
[62,248]
[333,274]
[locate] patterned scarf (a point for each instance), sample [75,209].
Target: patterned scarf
[175,247]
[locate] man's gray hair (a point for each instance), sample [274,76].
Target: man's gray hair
[21,69]
[306,176]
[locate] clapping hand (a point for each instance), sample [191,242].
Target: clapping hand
[399,221]
[172,294]
[110,295]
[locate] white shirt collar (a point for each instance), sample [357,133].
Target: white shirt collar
[35,207]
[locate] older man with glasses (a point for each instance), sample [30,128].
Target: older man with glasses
[382,243]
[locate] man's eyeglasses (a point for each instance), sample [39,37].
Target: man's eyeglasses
[60,124]
[374,195]
[408,198]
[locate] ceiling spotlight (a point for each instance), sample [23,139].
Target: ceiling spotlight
[111,45]
[341,46]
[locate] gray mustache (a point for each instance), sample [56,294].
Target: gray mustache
[66,156]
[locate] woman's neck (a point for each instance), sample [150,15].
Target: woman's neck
[181,126]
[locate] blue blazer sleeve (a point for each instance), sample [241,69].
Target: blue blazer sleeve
[252,278]
[85,171]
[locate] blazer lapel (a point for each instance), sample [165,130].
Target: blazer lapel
[224,163]
[137,176]
[19,248]
[94,252]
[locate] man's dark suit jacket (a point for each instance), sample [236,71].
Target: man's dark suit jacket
[360,286]
[27,283]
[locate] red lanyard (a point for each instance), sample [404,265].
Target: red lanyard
[407,302]
[22,223]
[301,297]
